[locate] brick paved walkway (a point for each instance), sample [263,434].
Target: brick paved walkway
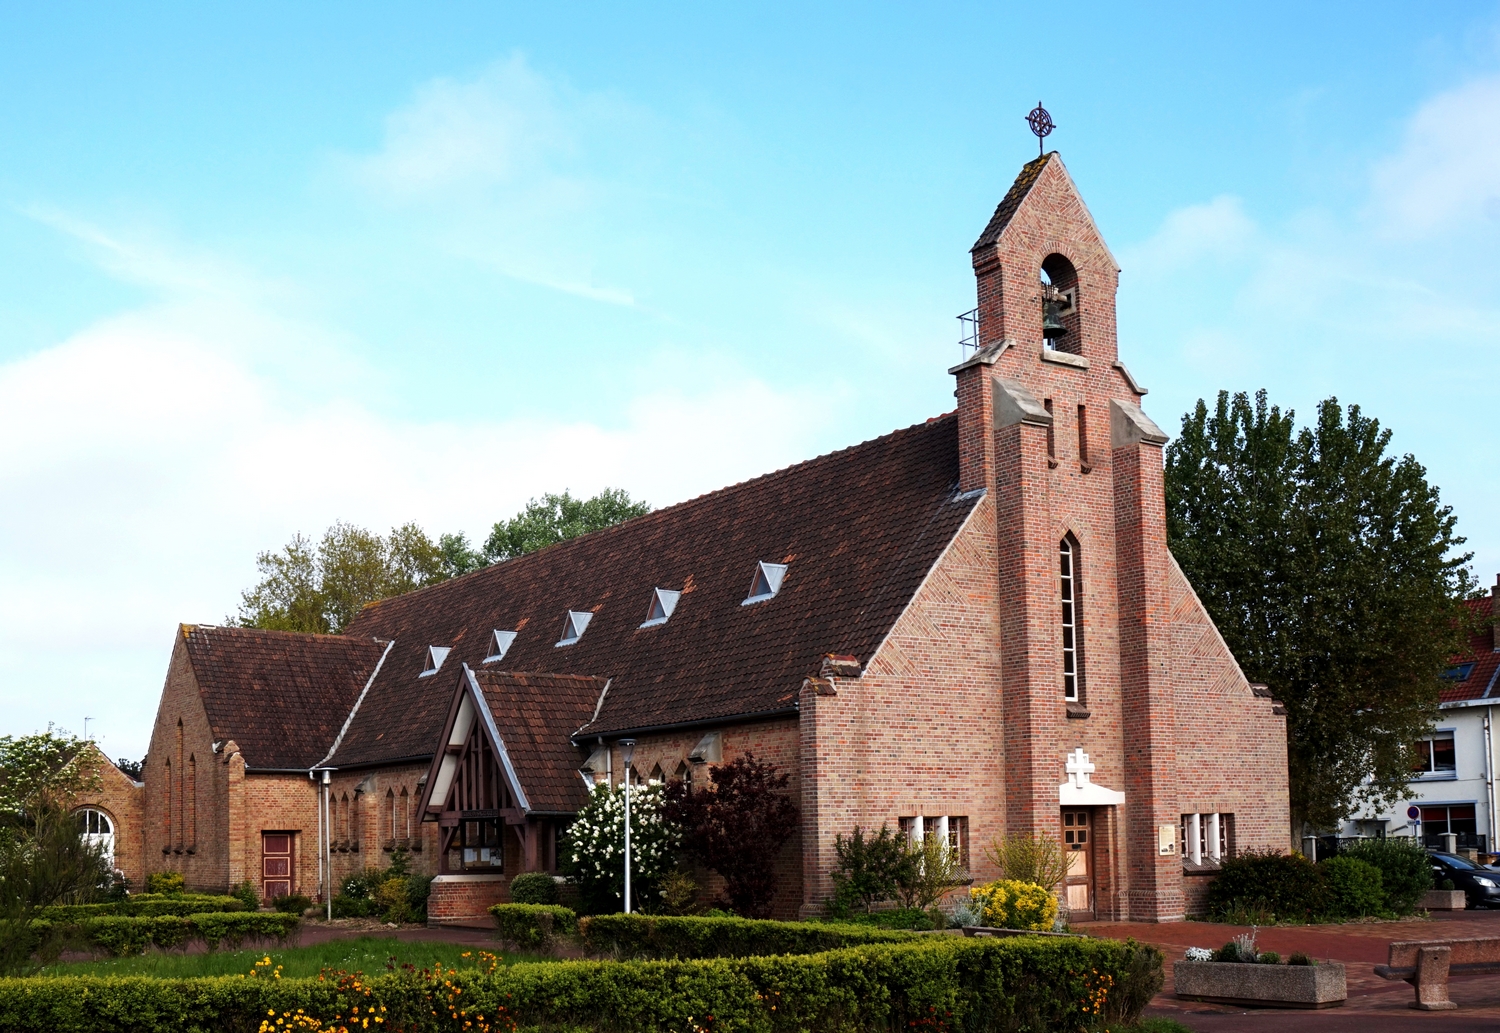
[1374,1006]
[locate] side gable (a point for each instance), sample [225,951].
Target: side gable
[281,696]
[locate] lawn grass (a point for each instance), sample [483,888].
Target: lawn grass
[367,954]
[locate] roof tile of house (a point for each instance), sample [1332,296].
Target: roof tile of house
[858,530]
[280,695]
[535,714]
[1483,680]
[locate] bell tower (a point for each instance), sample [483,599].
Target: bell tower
[1050,425]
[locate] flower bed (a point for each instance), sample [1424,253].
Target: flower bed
[1239,973]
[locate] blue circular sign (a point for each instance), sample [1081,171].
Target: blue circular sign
[1414,813]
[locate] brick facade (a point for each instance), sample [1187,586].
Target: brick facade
[958,714]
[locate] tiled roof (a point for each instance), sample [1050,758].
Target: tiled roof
[1011,203]
[858,529]
[535,714]
[1482,680]
[281,696]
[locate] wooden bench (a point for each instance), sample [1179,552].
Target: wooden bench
[1426,965]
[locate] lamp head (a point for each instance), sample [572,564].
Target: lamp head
[628,746]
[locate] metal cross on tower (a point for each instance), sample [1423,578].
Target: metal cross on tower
[1041,124]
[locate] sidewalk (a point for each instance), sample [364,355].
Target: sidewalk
[1375,1005]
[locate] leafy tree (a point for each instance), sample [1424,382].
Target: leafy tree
[43,858]
[1332,571]
[320,589]
[556,518]
[869,867]
[131,768]
[459,557]
[737,828]
[1039,859]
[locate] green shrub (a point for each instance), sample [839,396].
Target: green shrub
[1298,958]
[293,904]
[534,926]
[978,985]
[140,906]
[246,894]
[1447,884]
[120,935]
[1269,958]
[165,882]
[900,918]
[660,936]
[533,888]
[1405,870]
[345,906]
[1354,887]
[1264,888]
[868,870]
[1010,904]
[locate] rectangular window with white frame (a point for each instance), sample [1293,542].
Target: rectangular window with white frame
[1435,757]
[952,829]
[1207,838]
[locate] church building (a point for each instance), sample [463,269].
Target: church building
[968,628]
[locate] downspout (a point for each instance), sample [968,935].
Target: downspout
[1489,776]
[327,824]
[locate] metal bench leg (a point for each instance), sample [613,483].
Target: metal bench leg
[1431,979]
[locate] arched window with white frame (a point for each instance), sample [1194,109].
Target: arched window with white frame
[97,829]
[1070,588]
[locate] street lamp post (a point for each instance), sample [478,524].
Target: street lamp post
[629,747]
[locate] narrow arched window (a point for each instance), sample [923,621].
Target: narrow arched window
[1072,620]
[190,801]
[405,814]
[166,806]
[390,814]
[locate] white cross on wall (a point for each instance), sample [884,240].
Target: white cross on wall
[1079,768]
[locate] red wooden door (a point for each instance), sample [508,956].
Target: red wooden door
[275,864]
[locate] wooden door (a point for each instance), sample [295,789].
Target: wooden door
[1078,845]
[275,865]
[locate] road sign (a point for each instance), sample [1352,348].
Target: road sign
[1414,813]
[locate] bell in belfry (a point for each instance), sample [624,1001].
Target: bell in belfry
[1052,327]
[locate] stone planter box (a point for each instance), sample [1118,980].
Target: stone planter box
[1268,986]
[1444,900]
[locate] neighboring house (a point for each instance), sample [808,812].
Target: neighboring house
[1454,782]
[968,628]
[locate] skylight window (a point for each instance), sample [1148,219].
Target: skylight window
[574,627]
[1459,673]
[499,645]
[663,602]
[767,582]
[435,657]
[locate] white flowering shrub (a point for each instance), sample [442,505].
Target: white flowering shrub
[593,854]
[1199,954]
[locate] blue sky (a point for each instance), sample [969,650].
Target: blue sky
[261,270]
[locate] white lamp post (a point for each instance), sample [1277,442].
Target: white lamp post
[629,747]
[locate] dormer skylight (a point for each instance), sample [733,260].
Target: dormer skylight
[435,657]
[499,644]
[767,582]
[663,602]
[574,627]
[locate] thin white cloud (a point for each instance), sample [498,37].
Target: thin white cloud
[1393,303]
[1446,175]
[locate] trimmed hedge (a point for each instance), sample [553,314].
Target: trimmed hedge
[652,936]
[143,905]
[534,925]
[980,985]
[120,935]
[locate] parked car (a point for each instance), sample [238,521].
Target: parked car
[1481,885]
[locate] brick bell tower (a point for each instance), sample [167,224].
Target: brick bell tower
[1050,424]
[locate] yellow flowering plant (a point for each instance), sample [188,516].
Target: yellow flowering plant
[1011,904]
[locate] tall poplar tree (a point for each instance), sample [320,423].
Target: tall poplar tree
[1332,570]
